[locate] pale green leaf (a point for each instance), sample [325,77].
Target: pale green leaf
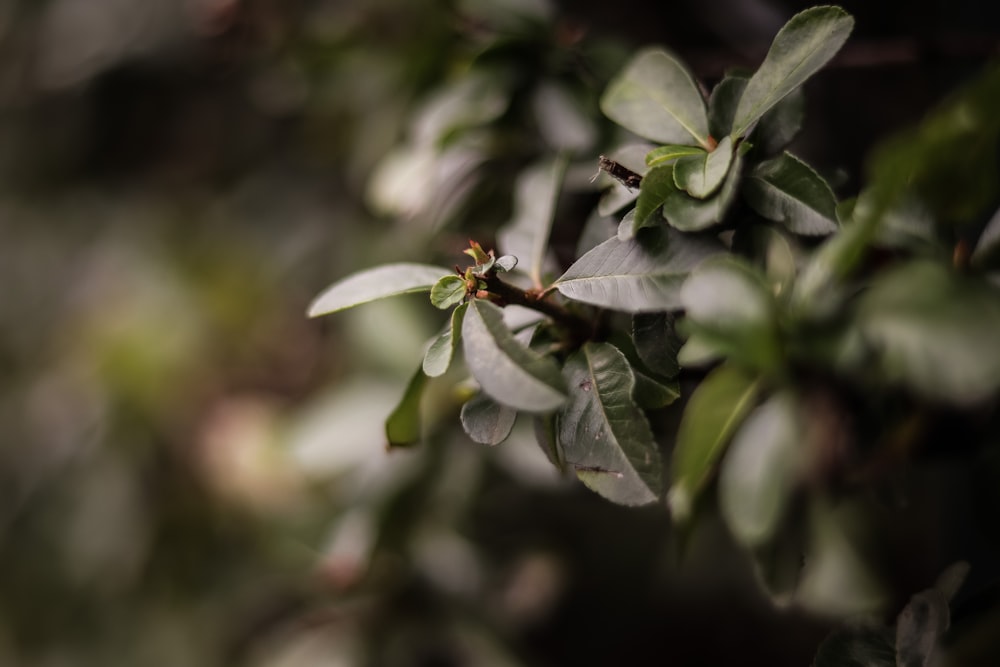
[787,190]
[664,154]
[438,357]
[403,426]
[689,214]
[655,97]
[716,409]
[604,436]
[656,185]
[486,421]
[800,49]
[448,291]
[377,283]
[701,175]
[640,275]
[506,369]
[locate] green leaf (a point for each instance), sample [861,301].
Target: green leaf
[730,309]
[373,284]
[760,470]
[689,214]
[526,236]
[799,50]
[605,437]
[779,126]
[655,97]
[448,291]
[438,357]
[506,369]
[547,437]
[935,331]
[723,101]
[650,394]
[785,189]
[716,409]
[403,426]
[701,175]
[656,185]
[640,275]
[656,342]
[486,421]
[664,154]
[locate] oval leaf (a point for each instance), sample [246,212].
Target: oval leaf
[800,48]
[787,190]
[506,369]
[655,97]
[373,284]
[438,357]
[448,291]
[639,275]
[605,437]
[717,407]
[759,472]
[688,214]
[486,421]
[701,175]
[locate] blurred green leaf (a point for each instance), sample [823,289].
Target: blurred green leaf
[605,437]
[664,154]
[438,357]
[689,214]
[526,236]
[377,283]
[486,421]
[656,342]
[779,126]
[507,370]
[857,645]
[935,331]
[760,470]
[404,424]
[716,409]
[799,50]
[724,100]
[656,98]
[640,275]
[448,291]
[701,175]
[787,190]
[546,433]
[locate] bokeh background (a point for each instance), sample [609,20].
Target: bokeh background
[192,473]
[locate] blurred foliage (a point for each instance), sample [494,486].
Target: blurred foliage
[193,473]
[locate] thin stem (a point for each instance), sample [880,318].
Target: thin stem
[536,300]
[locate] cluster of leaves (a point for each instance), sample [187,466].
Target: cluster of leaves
[810,364]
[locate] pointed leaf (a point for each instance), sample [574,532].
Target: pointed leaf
[640,275]
[701,175]
[664,154]
[656,185]
[506,369]
[605,437]
[799,50]
[716,409]
[526,236]
[759,472]
[486,421]
[787,190]
[438,357]
[403,426]
[656,98]
[724,100]
[448,291]
[688,214]
[656,342]
[377,283]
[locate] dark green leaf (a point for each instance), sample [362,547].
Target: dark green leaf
[716,409]
[701,175]
[657,184]
[506,369]
[640,275]
[547,436]
[486,421]
[526,236]
[604,436]
[723,102]
[787,190]
[377,283]
[760,470]
[656,98]
[799,50]
[656,342]
[404,424]
[688,214]
[664,154]
[650,394]
[935,331]
[779,126]
[448,291]
[438,357]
